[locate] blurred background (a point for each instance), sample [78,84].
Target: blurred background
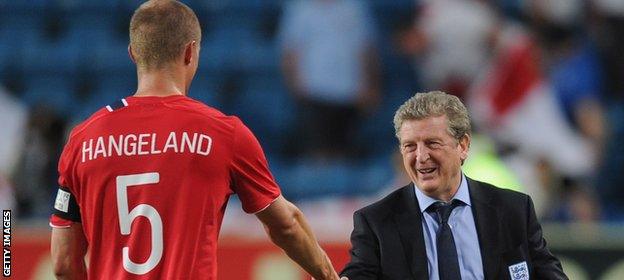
[318,82]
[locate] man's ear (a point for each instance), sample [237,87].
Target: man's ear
[189,52]
[464,146]
[131,55]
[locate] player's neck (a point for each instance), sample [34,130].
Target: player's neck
[160,83]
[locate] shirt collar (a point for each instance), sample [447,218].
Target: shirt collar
[463,195]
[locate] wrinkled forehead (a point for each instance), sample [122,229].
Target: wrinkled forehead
[429,127]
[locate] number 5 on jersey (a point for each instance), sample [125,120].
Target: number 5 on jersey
[126,217]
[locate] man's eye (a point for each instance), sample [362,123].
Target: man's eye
[435,144]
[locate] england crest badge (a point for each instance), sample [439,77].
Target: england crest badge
[519,271]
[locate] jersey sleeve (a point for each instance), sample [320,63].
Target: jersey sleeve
[66,210]
[252,180]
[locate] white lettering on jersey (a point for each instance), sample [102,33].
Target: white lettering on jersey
[204,149]
[115,143]
[99,148]
[187,142]
[145,144]
[153,150]
[172,143]
[88,150]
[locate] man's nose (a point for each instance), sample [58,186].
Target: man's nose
[422,153]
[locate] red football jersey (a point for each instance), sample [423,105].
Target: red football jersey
[150,178]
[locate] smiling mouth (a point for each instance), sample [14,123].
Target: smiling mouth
[426,170]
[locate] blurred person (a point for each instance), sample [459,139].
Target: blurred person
[33,176]
[144,182]
[574,204]
[571,65]
[609,34]
[445,225]
[450,39]
[13,130]
[330,66]
[12,134]
[513,102]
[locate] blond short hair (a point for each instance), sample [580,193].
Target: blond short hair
[435,104]
[159,30]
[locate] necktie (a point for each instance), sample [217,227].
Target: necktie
[448,266]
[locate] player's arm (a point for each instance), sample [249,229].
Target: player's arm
[68,242]
[68,249]
[288,229]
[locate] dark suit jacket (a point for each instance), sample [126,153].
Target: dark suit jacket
[388,243]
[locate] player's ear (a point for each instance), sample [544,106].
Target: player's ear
[131,55]
[189,52]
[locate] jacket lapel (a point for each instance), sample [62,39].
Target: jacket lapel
[408,221]
[488,228]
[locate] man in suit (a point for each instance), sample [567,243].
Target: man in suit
[445,225]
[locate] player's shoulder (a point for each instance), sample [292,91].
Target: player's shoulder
[186,106]
[207,112]
[205,109]
[101,113]
[81,126]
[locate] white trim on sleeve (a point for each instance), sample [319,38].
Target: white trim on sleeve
[55,226]
[267,206]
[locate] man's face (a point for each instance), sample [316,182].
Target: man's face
[432,157]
